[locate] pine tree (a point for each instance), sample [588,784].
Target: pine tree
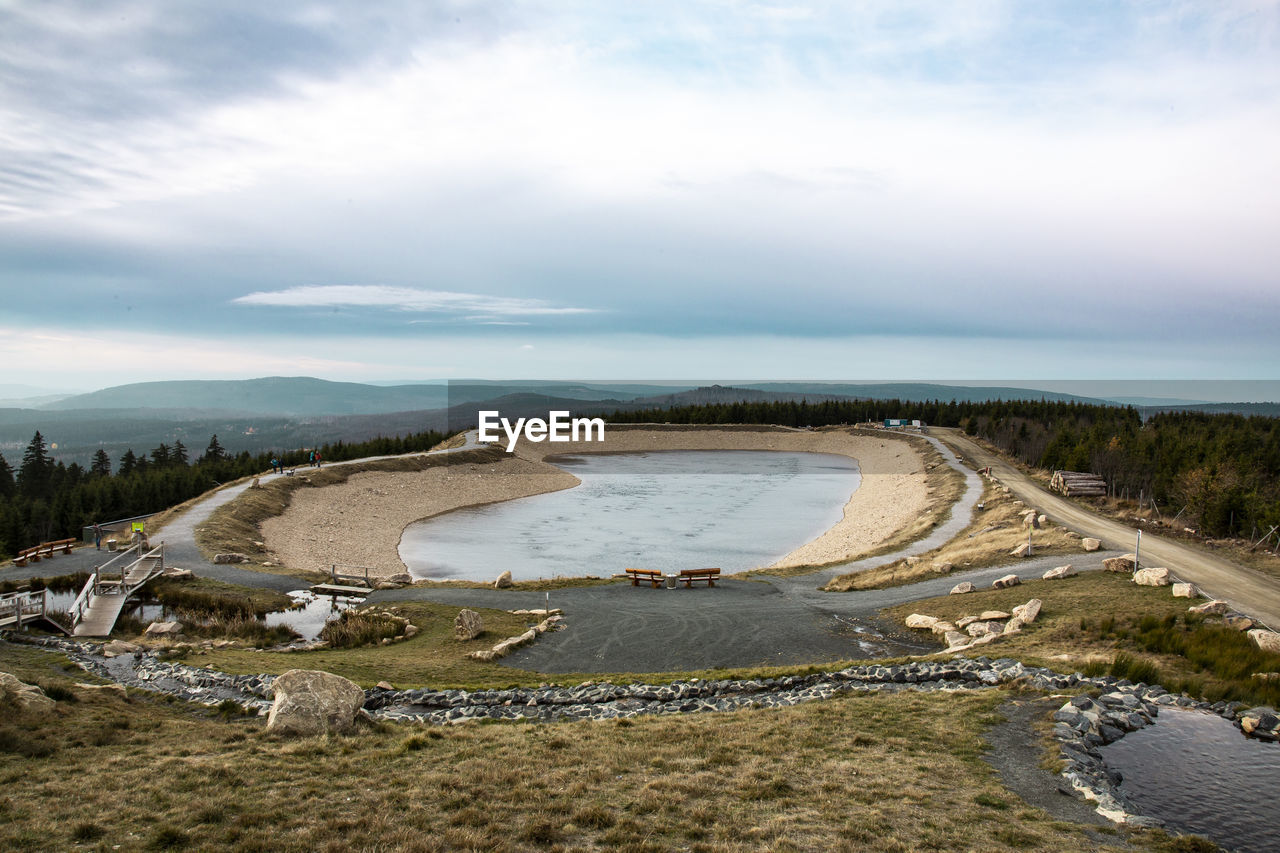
[101,466]
[179,454]
[6,479]
[36,473]
[128,463]
[160,456]
[214,452]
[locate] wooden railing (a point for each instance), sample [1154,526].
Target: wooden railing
[16,608]
[98,581]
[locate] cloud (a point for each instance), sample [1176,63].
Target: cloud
[467,307]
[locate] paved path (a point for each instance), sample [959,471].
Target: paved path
[1246,589]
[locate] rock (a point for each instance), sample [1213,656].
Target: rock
[467,625]
[1152,577]
[224,559]
[1238,621]
[28,697]
[384,685]
[1022,550]
[988,615]
[410,631]
[1210,608]
[955,638]
[112,688]
[1119,565]
[310,702]
[1041,520]
[1268,641]
[942,628]
[1185,590]
[1027,613]
[1005,582]
[177,574]
[1261,719]
[119,647]
[401,578]
[1059,573]
[978,629]
[1013,626]
[164,629]
[920,621]
[1090,544]
[1030,519]
[503,581]
[387,585]
[961,588]
[965,621]
[942,568]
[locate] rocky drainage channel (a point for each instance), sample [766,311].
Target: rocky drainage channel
[1080,726]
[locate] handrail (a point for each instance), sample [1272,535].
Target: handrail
[23,604]
[82,600]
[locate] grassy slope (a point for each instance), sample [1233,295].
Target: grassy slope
[858,772]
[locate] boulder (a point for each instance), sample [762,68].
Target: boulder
[164,629]
[177,574]
[119,647]
[920,621]
[400,577]
[1090,544]
[1185,590]
[467,625]
[1031,519]
[1005,582]
[1210,608]
[503,581]
[1027,613]
[1013,626]
[1119,565]
[224,559]
[1238,621]
[1256,720]
[310,702]
[964,621]
[1268,641]
[942,568]
[28,697]
[979,629]
[1023,550]
[942,628]
[386,585]
[955,638]
[961,588]
[988,615]
[1152,577]
[1041,520]
[1059,573]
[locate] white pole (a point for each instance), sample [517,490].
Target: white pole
[1137,550]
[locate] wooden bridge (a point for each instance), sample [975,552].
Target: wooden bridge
[19,609]
[99,604]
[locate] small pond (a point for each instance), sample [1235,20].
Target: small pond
[665,510]
[307,617]
[1198,773]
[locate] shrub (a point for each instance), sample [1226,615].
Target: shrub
[356,628]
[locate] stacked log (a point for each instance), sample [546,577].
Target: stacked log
[1078,484]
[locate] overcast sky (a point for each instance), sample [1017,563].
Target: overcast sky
[843,190]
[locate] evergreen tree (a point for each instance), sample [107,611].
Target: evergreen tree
[101,466]
[214,452]
[6,479]
[160,456]
[36,474]
[128,463]
[179,454]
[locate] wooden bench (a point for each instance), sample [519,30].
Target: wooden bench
[44,549]
[688,576]
[653,576]
[32,554]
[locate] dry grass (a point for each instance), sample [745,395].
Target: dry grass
[858,772]
[996,531]
[945,486]
[235,527]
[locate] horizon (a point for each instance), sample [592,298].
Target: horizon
[1080,191]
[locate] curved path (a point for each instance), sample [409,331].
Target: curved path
[1247,590]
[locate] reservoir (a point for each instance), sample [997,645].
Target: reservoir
[667,510]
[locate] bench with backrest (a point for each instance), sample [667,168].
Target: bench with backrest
[44,549]
[653,576]
[688,576]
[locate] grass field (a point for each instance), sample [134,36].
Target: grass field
[853,773]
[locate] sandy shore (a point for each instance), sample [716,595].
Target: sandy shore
[360,522]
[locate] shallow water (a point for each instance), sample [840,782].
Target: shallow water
[1198,773]
[663,510]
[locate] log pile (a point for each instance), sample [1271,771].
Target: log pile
[1077,484]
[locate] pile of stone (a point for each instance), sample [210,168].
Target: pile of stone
[510,644]
[970,631]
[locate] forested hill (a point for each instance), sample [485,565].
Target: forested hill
[1221,470]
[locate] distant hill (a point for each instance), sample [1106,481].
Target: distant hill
[918,392]
[1267,410]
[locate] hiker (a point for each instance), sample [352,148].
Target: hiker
[97,536]
[317,458]
[311,457]
[275,465]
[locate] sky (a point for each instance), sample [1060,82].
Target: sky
[843,190]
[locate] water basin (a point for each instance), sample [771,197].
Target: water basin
[665,510]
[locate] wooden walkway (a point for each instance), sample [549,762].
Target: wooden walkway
[101,601]
[18,609]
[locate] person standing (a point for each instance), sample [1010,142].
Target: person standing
[275,465]
[97,536]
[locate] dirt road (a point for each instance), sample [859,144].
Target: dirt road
[1247,590]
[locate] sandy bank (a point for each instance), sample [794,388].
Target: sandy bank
[360,522]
